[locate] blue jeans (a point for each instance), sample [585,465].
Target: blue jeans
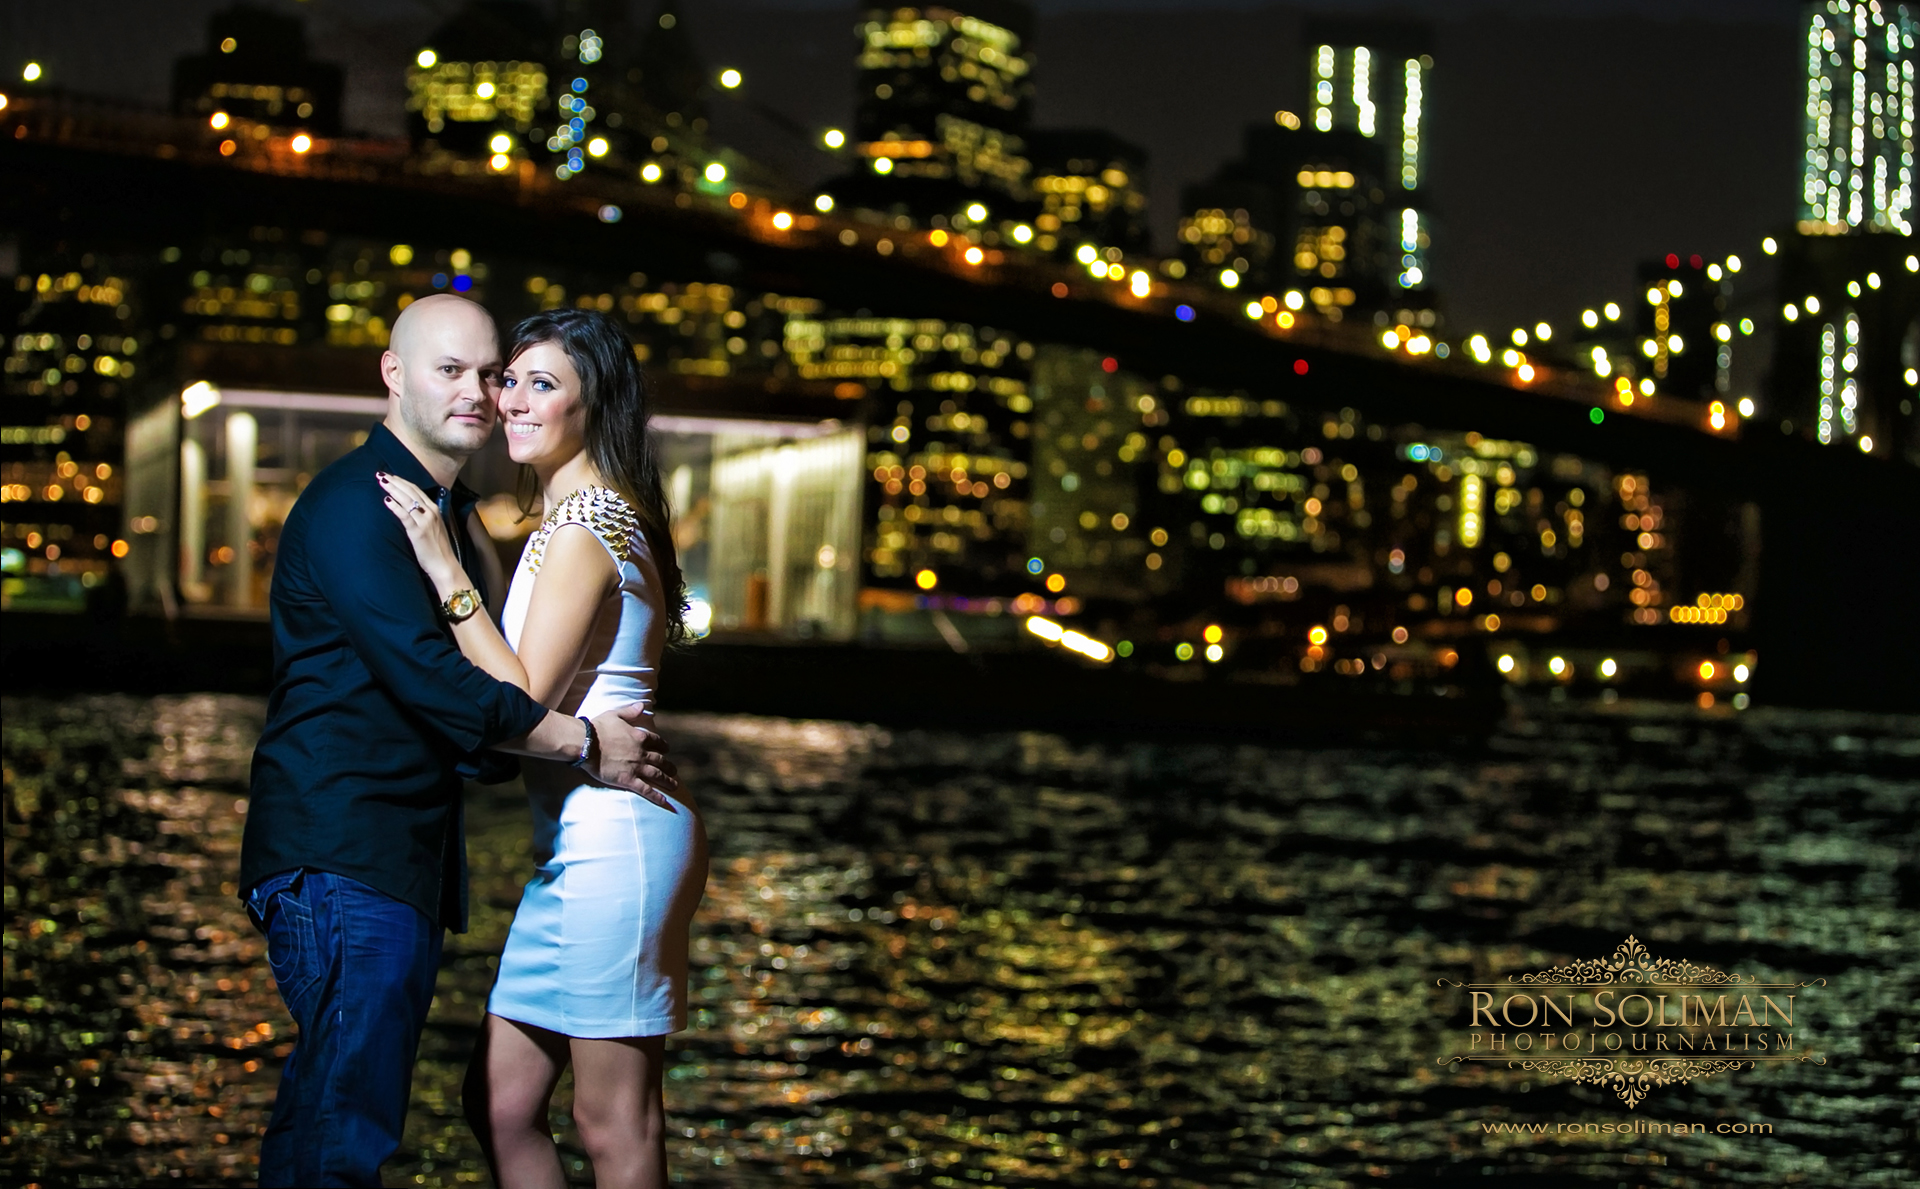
[356,969]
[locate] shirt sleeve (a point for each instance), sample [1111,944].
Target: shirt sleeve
[364,567]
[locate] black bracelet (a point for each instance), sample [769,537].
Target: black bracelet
[586,745]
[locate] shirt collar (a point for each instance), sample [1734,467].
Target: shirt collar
[395,457]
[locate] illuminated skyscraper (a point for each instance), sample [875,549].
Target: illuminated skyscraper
[944,99]
[1371,78]
[1684,342]
[1849,343]
[1300,208]
[949,437]
[256,69]
[479,86]
[1860,112]
[75,349]
[1092,189]
[1346,226]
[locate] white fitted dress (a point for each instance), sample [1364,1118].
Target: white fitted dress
[598,947]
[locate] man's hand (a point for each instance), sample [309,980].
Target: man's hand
[632,757]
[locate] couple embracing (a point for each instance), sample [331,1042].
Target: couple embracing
[393,681]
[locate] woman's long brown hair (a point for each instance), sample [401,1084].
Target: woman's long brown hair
[619,407]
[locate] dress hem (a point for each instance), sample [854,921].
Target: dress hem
[654,1026]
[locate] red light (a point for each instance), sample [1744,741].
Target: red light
[1673,261]
[1299,367]
[1110,364]
[1059,288]
[1694,260]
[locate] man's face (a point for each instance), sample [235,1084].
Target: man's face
[449,377]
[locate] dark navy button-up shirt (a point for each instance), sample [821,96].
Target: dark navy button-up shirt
[374,710]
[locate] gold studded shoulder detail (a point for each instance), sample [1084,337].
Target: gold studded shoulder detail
[601,509]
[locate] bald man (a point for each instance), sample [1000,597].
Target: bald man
[354,860]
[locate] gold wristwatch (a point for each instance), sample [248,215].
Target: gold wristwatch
[460,605]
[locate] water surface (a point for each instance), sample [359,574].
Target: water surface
[1017,958]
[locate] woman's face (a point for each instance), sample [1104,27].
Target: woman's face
[541,402]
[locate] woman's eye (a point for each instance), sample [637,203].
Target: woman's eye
[543,386]
[508,382]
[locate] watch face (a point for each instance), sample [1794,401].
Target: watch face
[462,605]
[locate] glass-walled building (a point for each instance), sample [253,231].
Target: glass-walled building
[1858,171]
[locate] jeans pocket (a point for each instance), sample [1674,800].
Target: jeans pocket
[293,953]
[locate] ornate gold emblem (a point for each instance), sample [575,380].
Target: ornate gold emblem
[601,509]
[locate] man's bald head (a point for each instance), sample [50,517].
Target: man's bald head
[430,318]
[442,368]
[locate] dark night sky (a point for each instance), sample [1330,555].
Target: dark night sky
[1571,137]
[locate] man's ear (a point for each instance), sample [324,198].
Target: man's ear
[393,372]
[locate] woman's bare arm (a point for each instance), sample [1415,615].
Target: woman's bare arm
[576,576]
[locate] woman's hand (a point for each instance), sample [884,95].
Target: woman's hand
[432,547]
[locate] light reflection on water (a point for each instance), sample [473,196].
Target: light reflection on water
[1019,958]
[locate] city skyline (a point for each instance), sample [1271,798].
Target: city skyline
[1501,260]
[1044,439]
